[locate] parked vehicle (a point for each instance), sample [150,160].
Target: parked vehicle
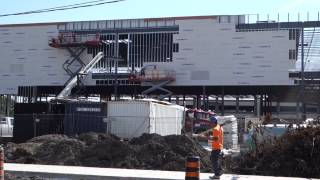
[198,120]
[6,126]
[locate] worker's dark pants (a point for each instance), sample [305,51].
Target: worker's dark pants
[215,161]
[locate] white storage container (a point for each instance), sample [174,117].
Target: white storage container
[128,119]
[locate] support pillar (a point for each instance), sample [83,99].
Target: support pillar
[237,104]
[278,107]
[198,101]
[216,109]
[1,104]
[222,103]
[265,105]
[177,100]
[194,103]
[204,97]
[8,105]
[34,94]
[255,105]
[259,105]
[298,110]
[208,102]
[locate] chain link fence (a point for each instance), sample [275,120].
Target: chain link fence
[28,126]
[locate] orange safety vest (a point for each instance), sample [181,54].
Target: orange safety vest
[217,142]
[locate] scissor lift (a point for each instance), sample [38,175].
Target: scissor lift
[156,78]
[65,93]
[75,44]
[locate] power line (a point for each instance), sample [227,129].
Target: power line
[66,7]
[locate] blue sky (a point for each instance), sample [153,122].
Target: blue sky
[157,8]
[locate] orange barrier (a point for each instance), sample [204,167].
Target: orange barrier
[193,168]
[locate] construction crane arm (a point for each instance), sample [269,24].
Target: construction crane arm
[73,82]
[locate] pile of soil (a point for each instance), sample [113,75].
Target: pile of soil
[295,154]
[149,151]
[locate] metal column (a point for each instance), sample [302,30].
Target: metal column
[255,105]
[278,108]
[8,105]
[194,103]
[237,104]
[198,101]
[222,106]
[217,104]
[177,100]
[204,98]
[298,110]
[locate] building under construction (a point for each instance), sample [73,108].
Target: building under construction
[202,58]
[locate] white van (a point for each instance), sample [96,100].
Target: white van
[6,126]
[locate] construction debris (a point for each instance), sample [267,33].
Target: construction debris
[295,154]
[150,151]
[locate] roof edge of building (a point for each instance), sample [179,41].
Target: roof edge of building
[145,19]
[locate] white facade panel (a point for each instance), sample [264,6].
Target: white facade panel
[170,22]
[94,25]
[62,27]
[152,23]
[69,26]
[110,24]
[85,25]
[78,25]
[126,23]
[118,24]
[102,24]
[28,60]
[211,53]
[214,54]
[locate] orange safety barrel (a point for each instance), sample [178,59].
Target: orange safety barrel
[193,168]
[1,163]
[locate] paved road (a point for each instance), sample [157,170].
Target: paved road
[89,173]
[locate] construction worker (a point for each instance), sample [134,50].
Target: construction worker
[217,146]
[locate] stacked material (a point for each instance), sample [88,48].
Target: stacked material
[230,128]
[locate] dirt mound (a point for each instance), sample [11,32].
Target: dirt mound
[48,149]
[168,152]
[295,154]
[150,151]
